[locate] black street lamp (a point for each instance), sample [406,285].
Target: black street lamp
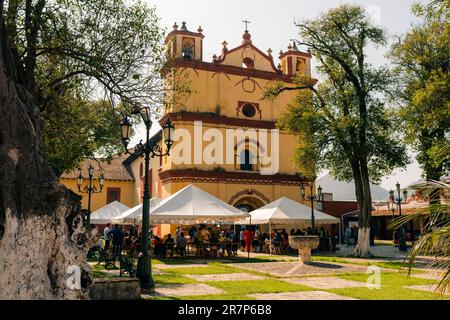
[398,200]
[312,198]
[147,150]
[89,189]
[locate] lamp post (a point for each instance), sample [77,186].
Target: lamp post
[398,200]
[89,189]
[312,198]
[146,150]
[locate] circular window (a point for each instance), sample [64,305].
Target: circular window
[248,110]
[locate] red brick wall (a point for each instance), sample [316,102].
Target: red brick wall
[338,208]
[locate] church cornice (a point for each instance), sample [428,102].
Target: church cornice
[252,178]
[217,120]
[233,70]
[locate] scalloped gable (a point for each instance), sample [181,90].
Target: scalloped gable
[236,56]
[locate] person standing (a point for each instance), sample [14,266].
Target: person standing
[117,240]
[106,237]
[181,245]
[333,238]
[248,238]
[257,240]
[241,239]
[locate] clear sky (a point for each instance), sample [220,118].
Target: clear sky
[272,26]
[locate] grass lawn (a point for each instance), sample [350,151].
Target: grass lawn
[212,268]
[398,265]
[172,279]
[392,283]
[257,286]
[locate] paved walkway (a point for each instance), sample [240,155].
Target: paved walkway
[426,287]
[225,277]
[326,282]
[286,269]
[170,266]
[181,290]
[302,295]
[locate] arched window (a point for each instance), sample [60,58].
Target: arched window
[248,63]
[246,159]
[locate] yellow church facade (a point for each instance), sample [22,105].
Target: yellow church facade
[226,140]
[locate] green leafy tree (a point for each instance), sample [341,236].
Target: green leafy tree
[436,240]
[343,122]
[422,61]
[62,59]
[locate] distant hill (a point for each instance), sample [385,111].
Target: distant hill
[342,190]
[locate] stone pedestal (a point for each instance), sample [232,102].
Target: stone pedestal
[304,244]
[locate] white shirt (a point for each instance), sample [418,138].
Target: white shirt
[105,233]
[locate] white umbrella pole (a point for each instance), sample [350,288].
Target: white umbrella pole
[270,238]
[250,245]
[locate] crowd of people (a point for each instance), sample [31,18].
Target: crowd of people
[209,241]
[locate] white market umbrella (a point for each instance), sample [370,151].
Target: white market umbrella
[287,211]
[134,215]
[193,205]
[107,213]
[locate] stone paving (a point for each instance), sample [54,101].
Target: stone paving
[326,282]
[196,289]
[302,295]
[283,269]
[170,266]
[427,275]
[225,277]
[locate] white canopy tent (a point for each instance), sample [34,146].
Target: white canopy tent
[134,215]
[107,213]
[286,211]
[192,205]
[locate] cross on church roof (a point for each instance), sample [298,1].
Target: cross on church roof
[246,22]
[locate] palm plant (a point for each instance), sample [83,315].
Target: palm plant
[435,241]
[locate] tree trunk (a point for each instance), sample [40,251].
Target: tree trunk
[364,199]
[42,238]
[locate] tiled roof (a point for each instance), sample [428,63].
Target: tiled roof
[113,170]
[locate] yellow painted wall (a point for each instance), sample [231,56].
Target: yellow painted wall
[212,91]
[225,191]
[98,200]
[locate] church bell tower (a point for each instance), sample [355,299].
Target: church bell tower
[182,43]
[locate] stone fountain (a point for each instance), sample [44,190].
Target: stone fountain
[304,244]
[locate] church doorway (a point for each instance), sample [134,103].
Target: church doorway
[248,204]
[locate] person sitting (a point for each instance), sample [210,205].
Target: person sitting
[199,241]
[227,245]
[169,244]
[159,248]
[299,232]
[192,232]
[181,246]
[277,241]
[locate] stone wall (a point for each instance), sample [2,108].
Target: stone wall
[115,289]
